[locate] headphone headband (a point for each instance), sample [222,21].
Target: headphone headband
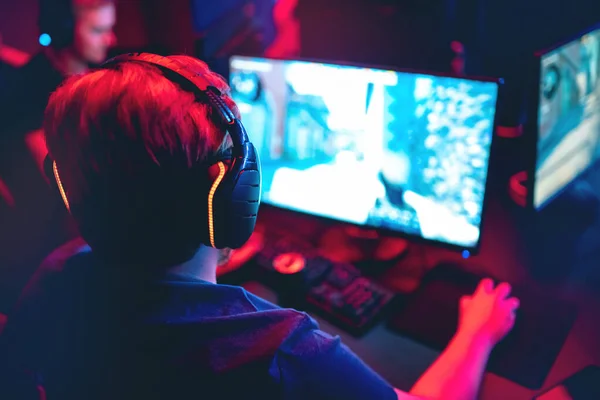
[179,73]
[234,192]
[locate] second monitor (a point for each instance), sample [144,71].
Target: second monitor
[568,115]
[404,152]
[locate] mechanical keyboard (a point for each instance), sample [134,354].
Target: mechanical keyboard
[337,291]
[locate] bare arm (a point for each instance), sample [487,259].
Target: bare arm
[457,373]
[485,318]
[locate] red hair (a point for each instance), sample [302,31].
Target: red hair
[131,148]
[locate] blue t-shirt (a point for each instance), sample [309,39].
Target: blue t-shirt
[96,331]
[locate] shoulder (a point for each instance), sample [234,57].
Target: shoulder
[313,364]
[308,341]
[284,327]
[239,303]
[256,303]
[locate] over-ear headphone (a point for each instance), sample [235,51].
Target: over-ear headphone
[57,20]
[234,195]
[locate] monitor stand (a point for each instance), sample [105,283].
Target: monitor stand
[353,244]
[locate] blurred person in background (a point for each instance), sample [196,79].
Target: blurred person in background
[75,35]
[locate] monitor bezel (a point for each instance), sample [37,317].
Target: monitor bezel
[475,248]
[532,128]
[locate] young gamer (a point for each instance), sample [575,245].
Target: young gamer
[151,159]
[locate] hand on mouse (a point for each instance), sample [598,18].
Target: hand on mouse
[489,313]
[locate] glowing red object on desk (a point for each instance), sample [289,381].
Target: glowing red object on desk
[289,263]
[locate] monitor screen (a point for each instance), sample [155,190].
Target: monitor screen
[568,116]
[403,152]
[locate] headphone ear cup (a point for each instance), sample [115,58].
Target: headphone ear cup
[235,202]
[217,198]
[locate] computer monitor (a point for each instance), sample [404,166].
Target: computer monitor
[402,152]
[567,111]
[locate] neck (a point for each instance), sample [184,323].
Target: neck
[202,266]
[66,62]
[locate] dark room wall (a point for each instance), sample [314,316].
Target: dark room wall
[131,29]
[412,33]
[18,24]
[170,25]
